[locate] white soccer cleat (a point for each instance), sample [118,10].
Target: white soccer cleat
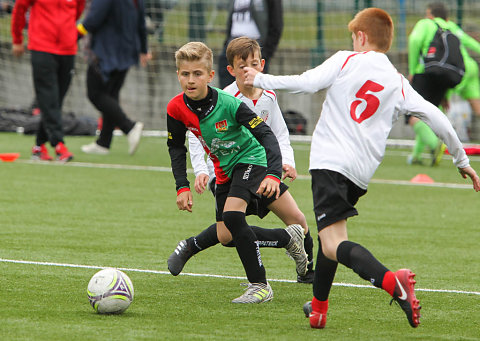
[296,249]
[256,293]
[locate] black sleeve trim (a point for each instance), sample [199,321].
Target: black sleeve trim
[177,151]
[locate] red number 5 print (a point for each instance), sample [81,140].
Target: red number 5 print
[372,101]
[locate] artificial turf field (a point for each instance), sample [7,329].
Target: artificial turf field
[66,221]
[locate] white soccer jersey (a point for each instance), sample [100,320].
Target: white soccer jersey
[267,108]
[365,97]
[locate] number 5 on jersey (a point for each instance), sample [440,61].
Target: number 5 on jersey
[372,101]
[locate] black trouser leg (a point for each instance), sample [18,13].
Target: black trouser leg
[51,77]
[104,95]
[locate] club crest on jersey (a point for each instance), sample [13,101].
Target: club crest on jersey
[221,126]
[264,115]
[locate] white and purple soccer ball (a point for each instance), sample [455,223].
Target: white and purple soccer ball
[110,291]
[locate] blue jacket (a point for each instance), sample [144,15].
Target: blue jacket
[118,33]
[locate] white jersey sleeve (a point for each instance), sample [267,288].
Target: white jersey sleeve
[310,81]
[197,157]
[415,105]
[365,97]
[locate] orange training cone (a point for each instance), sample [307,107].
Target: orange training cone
[422,179]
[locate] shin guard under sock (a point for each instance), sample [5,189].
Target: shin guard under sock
[360,260]
[246,245]
[325,270]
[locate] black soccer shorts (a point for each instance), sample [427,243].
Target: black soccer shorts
[334,197]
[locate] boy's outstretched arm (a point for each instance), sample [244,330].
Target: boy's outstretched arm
[469,171]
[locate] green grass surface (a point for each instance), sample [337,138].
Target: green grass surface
[127,218]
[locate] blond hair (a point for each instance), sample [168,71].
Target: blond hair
[194,51]
[377,25]
[242,47]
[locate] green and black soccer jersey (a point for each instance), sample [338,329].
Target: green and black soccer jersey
[229,131]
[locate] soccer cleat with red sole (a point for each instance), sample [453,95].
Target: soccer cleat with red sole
[63,154]
[404,295]
[41,153]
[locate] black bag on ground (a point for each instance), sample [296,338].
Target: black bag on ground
[72,125]
[296,123]
[444,58]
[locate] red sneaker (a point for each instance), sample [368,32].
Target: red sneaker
[404,294]
[41,153]
[63,154]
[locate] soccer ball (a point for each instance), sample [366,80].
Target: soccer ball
[110,291]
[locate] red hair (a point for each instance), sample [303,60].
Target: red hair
[377,25]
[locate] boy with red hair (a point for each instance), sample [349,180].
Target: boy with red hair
[365,96]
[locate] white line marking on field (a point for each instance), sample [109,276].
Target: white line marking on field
[168,170]
[66,265]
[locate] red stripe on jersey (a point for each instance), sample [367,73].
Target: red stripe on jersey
[220,174]
[271,92]
[177,109]
[238,93]
[348,58]
[403,93]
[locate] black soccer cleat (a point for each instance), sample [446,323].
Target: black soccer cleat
[307,279]
[179,257]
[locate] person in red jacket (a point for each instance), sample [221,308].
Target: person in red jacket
[52,41]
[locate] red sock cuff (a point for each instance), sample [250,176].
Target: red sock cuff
[388,283]
[320,306]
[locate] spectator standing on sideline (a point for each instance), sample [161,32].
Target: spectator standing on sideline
[118,40]
[432,87]
[365,96]
[52,41]
[261,20]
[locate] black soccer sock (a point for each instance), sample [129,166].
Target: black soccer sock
[308,244]
[325,270]
[360,260]
[277,238]
[205,239]
[271,237]
[246,245]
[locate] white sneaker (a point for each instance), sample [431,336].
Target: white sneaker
[133,137]
[255,293]
[94,148]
